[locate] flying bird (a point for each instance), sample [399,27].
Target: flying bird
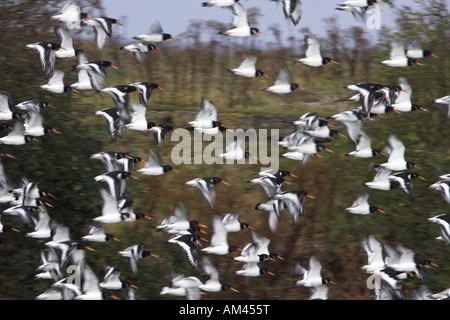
[313,54]
[240,23]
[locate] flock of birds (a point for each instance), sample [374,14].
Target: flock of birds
[63,255]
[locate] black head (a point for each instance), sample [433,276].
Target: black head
[167,168]
[232,248]
[246,154]
[275,255]
[294,86]
[413,61]
[227,287]
[244,225]
[29,138]
[150,125]
[263,271]
[141,215]
[328,60]
[146,253]
[260,73]
[167,36]
[17,115]
[428,53]
[83,15]
[254,31]
[326,280]
[410,165]
[376,152]
[257,206]
[415,107]
[151,47]
[375,208]
[109,237]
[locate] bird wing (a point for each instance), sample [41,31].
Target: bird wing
[397,149]
[315,268]
[382,174]
[397,51]
[180,213]
[312,46]
[209,269]
[153,160]
[109,203]
[56,77]
[283,77]
[403,96]
[219,236]
[6,103]
[249,62]
[208,111]
[64,39]
[363,199]
[364,141]
[240,15]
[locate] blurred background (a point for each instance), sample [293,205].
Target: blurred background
[195,67]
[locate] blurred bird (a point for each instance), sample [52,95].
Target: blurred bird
[283,85]
[313,55]
[219,3]
[443,221]
[206,187]
[231,223]
[156,34]
[444,100]
[55,83]
[312,276]
[396,160]
[178,221]
[292,10]
[145,90]
[404,179]
[247,68]
[213,284]
[398,58]
[135,253]
[294,201]
[219,239]
[102,28]
[403,101]
[362,206]
[114,121]
[154,166]
[17,136]
[46,54]
[70,13]
[97,234]
[139,50]
[253,270]
[415,51]
[66,43]
[444,187]
[240,23]
[374,251]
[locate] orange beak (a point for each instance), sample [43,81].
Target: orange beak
[224,182]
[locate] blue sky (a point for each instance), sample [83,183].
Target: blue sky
[174,15]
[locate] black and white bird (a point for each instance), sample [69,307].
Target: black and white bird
[374,252]
[70,13]
[219,3]
[415,51]
[313,53]
[444,187]
[283,85]
[138,119]
[312,276]
[140,50]
[444,100]
[112,281]
[443,221]
[403,101]
[121,98]
[178,222]
[241,27]
[154,166]
[114,122]
[6,227]
[206,186]
[116,182]
[294,201]
[110,209]
[102,28]
[272,209]
[42,229]
[56,84]
[219,239]
[234,151]
[189,242]
[145,90]
[292,10]
[35,126]
[135,253]
[398,58]
[358,3]
[160,132]
[66,43]
[247,68]
[404,180]
[98,234]
[262,247]
[16,136]
[364,147]
[46,54]
[206,117]
[381,180]
[155,34]
[6,108]
[396,160]
[253,270]
[361,206]
[213,284]
[232,224]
